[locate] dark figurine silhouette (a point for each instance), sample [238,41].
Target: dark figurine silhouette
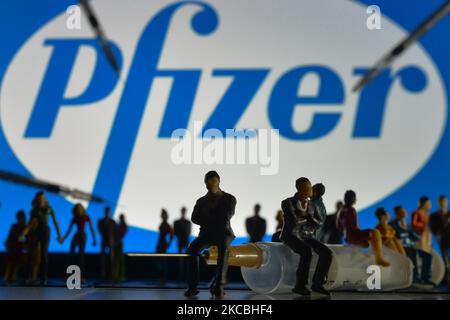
[440,227]
[119,270]
[301,221]
[80,218]
[182,229]
[165,233]
[256,225]
[39,231]
[15,249]
[331,234]
[318,192]
[279,227]
[106,227]
[212,213]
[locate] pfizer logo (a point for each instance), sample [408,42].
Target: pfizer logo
[287,65]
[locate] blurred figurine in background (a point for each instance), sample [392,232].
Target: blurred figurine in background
[440,227]
[317,200]
[347,223]
[106,228]
[182,230]
[388,233]
[279,227]
[80,218]
[119,271]
[212,213]
[419,222]
[331,234]
[256,225]
[301,221]
[15,249]
[409,238]
[165,233]
[40,239]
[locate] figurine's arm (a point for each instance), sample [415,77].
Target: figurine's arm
[289,212]
[55,222]
[229,213]
[417,221]
[100,226]
[9,239]
[32,225]
[315,218]
[197,215]
[414,236]
[68,231]
[91,226]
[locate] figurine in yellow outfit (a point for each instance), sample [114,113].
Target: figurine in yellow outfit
[388,233]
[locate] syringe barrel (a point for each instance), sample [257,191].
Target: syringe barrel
[348,271]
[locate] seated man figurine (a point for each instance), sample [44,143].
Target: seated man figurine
[409,239]
[347,223]
[301,221]
[212,213]
[388,233]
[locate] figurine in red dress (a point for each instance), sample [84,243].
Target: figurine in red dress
[347,222]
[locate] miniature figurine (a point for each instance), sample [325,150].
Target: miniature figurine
[256,225]
[388,233]
[301,221]
[212,213]
[15,249]
[80,218]
[440,227]
[419,222]
[40,214]
[182,230]
[318,192]
[106,228]
[331,235]
[119,271]
[347,223]
[409,238]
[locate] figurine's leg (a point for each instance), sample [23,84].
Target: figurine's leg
[426,265]
[305,253]
[103,261]
[376,244]
[15,271]
[112,260]
[123,271]
[444,255]
[398,246]
[45,241]
[220,278]
[73,245]
[8,271]
[44,259]
[31,259]
[412,255]
[324,263]
[194,250]
[81,248]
